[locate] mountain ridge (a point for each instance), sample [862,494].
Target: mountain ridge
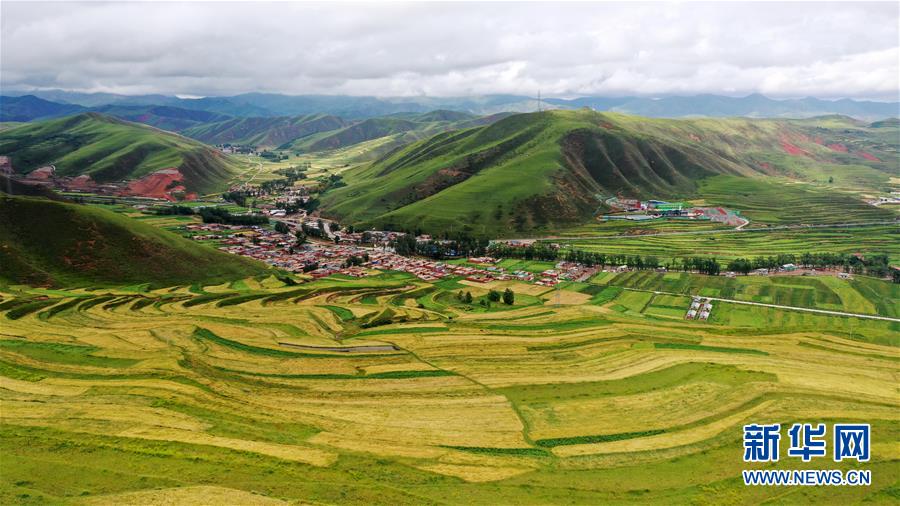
[362,107]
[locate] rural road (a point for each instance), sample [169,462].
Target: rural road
[720,231]
[777,306]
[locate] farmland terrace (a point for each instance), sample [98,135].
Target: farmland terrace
[332,390]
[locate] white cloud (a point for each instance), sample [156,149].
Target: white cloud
[780,49]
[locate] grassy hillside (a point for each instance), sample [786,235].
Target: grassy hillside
[553,169]
[402,129]
[264,132]
[43,242]
[111,149]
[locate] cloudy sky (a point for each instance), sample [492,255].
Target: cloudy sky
[828,50]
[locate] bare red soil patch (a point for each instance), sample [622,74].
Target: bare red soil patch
[840,148]
[869,157]
[42,174]
[160,184]
[791,149]
[82,182]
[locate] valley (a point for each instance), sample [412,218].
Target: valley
[433,308]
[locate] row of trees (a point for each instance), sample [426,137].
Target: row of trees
[709,266]
[174,210]
[219,215]
[461,246]
[875,264]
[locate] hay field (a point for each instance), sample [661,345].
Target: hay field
[388,390]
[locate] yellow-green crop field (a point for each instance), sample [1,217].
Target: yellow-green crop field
[389,390]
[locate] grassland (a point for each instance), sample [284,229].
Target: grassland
[234,393]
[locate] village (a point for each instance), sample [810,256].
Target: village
[344,253]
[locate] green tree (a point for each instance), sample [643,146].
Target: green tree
[468,297]
[509,297]
[494,296]
[282,227]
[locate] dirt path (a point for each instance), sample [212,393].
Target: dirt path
[344,349]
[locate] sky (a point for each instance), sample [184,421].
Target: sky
[782,50]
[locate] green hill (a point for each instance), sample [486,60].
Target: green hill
[264,132]
[545,171]
[401,128]
[44,242]
[111,149]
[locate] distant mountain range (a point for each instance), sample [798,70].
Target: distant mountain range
[31,105]
[301,133]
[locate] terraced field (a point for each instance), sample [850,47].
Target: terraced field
[389,390]
[860,295]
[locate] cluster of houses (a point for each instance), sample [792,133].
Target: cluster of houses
[320,259]
[700,309]
[325,258]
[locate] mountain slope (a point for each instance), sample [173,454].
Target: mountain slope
[267,132]
[554,169]
[403,128]
[43,242]
[110,149]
